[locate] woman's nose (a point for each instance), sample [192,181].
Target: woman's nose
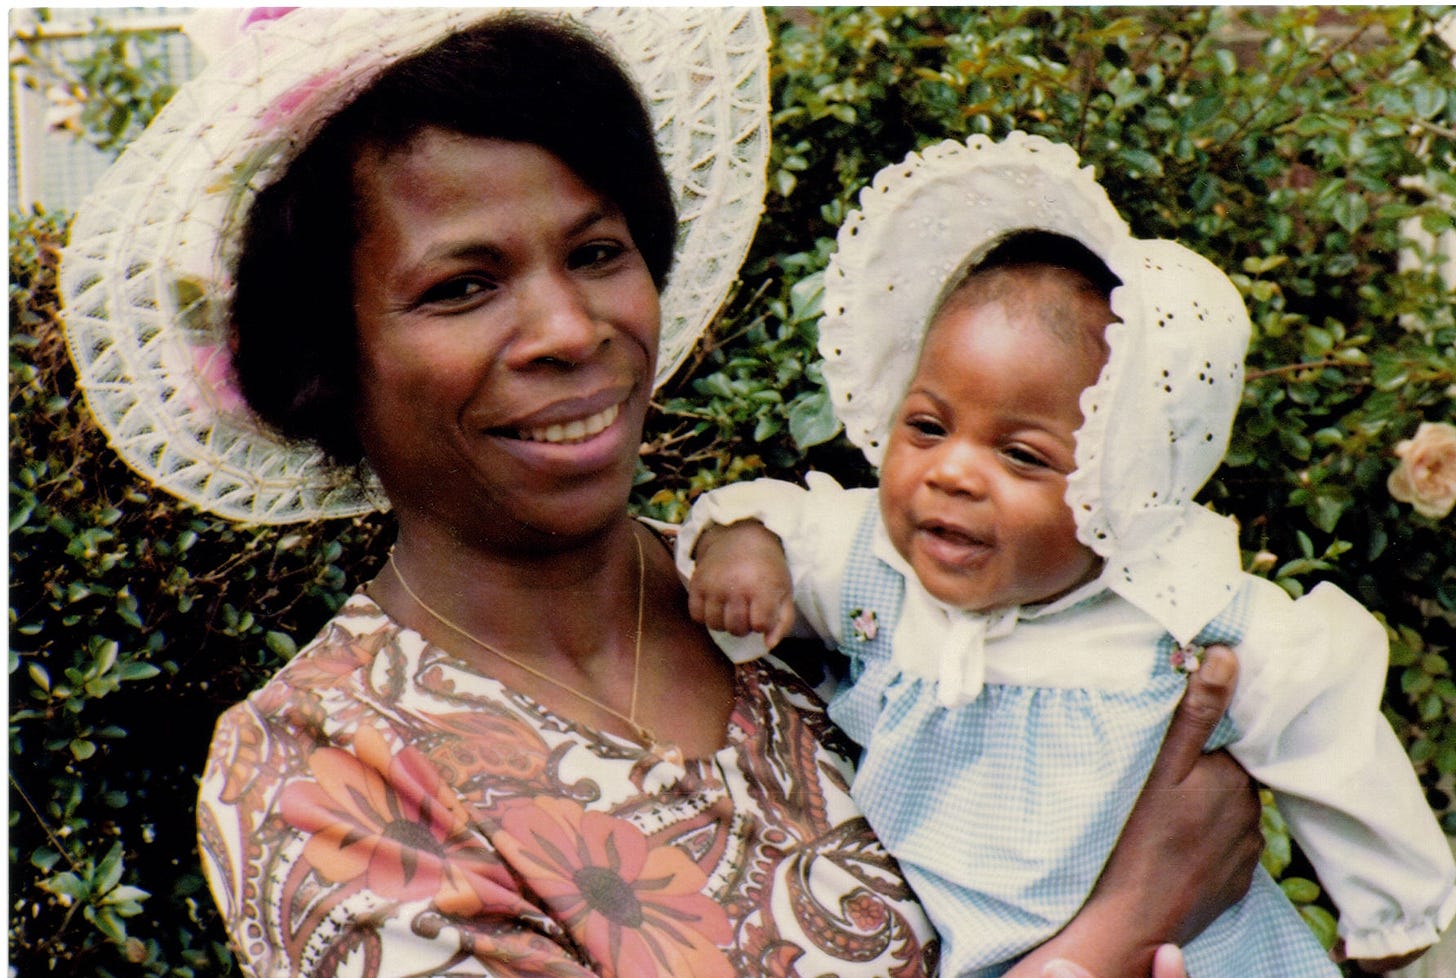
[558,324]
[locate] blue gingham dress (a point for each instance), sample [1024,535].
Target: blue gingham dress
[1003,811]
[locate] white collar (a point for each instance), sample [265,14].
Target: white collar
[946,645]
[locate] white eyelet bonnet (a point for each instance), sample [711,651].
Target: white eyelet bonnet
[1158,419]
[146,278]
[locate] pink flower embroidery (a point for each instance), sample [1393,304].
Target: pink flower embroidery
[865,623]
[1186,658]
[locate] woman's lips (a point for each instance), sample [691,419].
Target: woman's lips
[571,432]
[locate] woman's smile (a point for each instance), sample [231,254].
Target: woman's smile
[574,431]
[574,446]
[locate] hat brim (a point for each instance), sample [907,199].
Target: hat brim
[145,279]
[919,225]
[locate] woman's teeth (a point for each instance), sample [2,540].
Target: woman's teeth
[572,431]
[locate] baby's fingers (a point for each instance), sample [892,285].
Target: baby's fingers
[706,606]
[737,617]
[775,622]
[697,604]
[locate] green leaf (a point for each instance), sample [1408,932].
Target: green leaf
[1300,890]
[806,298]
[125,894]
[66,885]
[1350,211]
[281,644]
[108,873]
[107,922]
[1321,922]
[130,671]
[39,676]
[811,419]
[1428,100]
[1141,163]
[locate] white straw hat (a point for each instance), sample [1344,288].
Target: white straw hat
[1156,423]
[146,278]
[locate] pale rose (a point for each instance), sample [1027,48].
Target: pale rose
[1426,474]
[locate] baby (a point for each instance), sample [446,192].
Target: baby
[1022,598]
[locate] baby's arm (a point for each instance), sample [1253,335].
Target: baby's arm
[812,527]
[1310,727]
[741,583]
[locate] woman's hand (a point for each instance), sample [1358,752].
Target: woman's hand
[1167,963]
[1186,854]
[1190,847]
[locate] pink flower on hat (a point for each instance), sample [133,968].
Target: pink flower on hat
[264,14]
[1426,474]
[213,371]
[297,100]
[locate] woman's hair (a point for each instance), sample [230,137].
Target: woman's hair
[517,77]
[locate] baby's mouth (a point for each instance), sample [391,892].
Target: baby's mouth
[954,536]
[570,432]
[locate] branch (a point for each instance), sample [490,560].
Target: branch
[1290,368]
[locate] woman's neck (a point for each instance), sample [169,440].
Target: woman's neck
[543,599]
[604,617]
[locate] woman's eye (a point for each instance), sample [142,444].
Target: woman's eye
[596,253]
[456,292]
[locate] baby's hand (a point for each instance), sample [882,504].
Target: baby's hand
[741,583]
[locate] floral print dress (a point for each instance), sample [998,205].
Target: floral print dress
[378,809]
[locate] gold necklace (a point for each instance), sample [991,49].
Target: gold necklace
[630,717]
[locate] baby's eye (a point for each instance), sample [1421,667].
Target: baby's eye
[925,427]
[462,291]
[595,254]
[1025,457]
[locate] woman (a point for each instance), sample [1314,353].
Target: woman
[513,752]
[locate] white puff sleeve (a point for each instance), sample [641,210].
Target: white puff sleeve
[816,525]
[1307,709]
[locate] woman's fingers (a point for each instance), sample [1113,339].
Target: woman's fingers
[1209,691]
[1168,962]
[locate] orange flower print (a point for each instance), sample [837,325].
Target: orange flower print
[865,910]
[391,822]
[636,907]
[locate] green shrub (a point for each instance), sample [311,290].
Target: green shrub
[1289,146]
[134,621]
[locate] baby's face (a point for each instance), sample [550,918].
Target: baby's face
[975,474]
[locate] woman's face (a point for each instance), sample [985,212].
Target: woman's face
[507,338]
